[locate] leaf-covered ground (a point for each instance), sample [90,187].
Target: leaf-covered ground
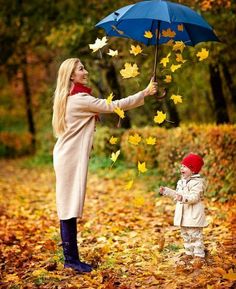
[127,235]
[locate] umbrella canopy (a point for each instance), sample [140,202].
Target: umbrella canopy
[163,20]
[158,16]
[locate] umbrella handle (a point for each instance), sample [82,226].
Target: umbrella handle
[164,92]
[163,95]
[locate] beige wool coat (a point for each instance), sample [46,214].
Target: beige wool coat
[190,212]
[72,149]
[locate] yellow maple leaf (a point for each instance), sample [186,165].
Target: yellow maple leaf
[113,140]
[170,42]
[203,54]
[175,67]
[180,27]
[99,43]
[129,70]
[168,78]
[135,50]
[151,140]
[12,278]
[120,112]
[129,185]
[165,60]
[176,98]
[39,272]
[114,156]
[148,34]
[179,58]
[142,167]
[179,46]
[134,139]
[112,53]
[168,33]
[231,275]
[160,117]
[109,98]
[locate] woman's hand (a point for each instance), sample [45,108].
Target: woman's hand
[151,89]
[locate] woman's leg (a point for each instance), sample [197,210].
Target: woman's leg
[70,248]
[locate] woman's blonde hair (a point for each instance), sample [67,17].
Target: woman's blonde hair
[60,95]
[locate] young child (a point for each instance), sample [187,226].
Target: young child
[189,211]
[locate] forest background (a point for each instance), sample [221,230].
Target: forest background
[36,36]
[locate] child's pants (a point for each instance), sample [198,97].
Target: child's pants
[193,241]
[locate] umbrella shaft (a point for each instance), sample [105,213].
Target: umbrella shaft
[156,51]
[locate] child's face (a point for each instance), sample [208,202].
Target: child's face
[185,172]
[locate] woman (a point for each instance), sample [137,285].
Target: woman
[74,116]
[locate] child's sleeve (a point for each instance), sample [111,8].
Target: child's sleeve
[194,195]
[169,192]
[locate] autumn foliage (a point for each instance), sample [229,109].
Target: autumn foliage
[127,235]
[215,143]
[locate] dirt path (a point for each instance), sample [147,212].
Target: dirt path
[127,235]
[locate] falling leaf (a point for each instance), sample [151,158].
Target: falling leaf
[168,78]
[175,67]
[176,98]
[109,98]
[129,185]
[134,139]
[112,53]
[142,167]
[179,58]
[203,54]
[231,275]
[165,60]
[179,46]
[114,156]
[168,33]
[135,50]
[170,42]
[180,27]
[129,70]
[148,34]
[160,117]
[120,112]
[99,43]
[151,140]
[113,140]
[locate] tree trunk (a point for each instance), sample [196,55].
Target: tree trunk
[174,116]
[28,103]
[229,82]
[218,96]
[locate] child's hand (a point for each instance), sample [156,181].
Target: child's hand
[161,190]
[178,197]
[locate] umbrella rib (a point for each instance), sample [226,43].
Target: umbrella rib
[188,34]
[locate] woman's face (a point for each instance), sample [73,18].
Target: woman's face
[185,172]
[80,74]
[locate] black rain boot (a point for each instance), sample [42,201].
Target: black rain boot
[70,248]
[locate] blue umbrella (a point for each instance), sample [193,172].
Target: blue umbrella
[158,16]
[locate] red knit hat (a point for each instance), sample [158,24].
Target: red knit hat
[194,162]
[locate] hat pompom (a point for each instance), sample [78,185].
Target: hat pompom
[194,162]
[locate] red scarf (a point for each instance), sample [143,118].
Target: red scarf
[78,87]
